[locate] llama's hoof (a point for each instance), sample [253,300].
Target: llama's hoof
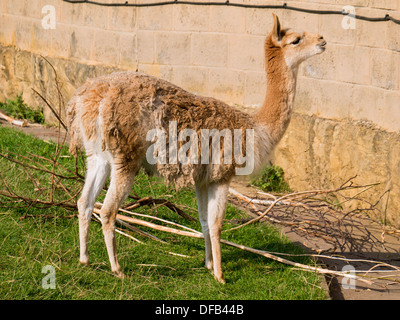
[84,263]
[220,279]
[119,274]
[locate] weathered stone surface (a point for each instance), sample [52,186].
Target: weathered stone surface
[23,71]
[321,153]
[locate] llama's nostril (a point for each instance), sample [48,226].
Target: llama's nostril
[321,40]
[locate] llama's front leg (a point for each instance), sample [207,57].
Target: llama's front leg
[97,173]
[202,203]
[120,185]
[217,194]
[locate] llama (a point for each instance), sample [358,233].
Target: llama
[110,117]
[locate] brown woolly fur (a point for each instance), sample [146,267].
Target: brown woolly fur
[112,116]
[132,103]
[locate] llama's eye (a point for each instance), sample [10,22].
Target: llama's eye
[296,41]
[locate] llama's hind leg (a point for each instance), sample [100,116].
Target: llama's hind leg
[202,201]
[120,186]
[217,194]
[97,173]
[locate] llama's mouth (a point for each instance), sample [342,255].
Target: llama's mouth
[322,45]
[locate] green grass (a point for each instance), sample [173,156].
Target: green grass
[27,245]
[18,109]
[271,179]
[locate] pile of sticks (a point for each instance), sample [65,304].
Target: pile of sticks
[318,214]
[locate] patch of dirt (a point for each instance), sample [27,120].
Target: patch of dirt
[46,133]
[379,245]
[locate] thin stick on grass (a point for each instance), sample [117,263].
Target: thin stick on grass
[141,232]
[160,202]
[119,231]
[99,204]
[38,169]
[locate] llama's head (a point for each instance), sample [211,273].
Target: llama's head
[294,47]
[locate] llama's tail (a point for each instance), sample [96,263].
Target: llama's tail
[73,126]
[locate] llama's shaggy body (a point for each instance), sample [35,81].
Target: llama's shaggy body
[111,117]
[116,112]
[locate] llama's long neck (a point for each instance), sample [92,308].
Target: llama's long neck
[277,108]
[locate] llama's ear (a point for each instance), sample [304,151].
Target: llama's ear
[276,30]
